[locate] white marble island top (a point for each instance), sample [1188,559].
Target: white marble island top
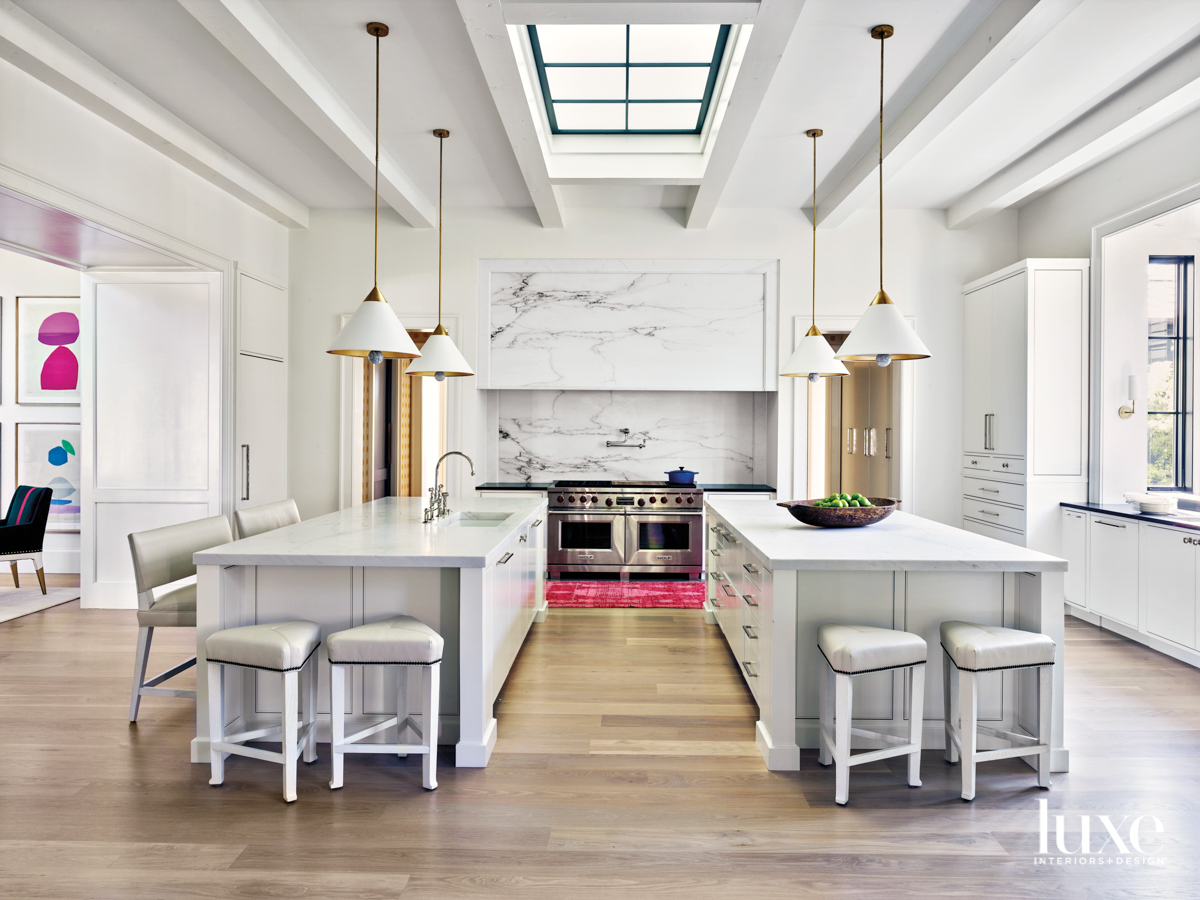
[900,542]
[387,532]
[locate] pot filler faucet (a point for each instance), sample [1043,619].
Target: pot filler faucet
[437,494]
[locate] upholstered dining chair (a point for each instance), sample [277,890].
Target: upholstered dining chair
[24,529]
[163,556]
[267,517]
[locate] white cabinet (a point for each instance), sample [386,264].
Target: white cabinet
[1024,399]
[1113,568]
[262,318]
[1168,583]
[1074,551]
[261,445]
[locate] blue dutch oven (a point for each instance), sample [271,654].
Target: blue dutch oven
[682,476]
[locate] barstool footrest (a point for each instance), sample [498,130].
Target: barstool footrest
[1023,739]
[381,748]
[167,692]
[1010,752]
[170,673]
[256,735]
[232,745]
[899,746]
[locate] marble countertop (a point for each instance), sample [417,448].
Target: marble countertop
[1183,519]
[901,541]
[387,532]
[549,485]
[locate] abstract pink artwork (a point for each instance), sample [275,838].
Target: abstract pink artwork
[47,338]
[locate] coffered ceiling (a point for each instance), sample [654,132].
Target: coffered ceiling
[988,102]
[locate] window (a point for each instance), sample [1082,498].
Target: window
[1168,382]
[627,79]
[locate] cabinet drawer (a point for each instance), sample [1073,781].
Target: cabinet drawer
[976,463]
[1015,538]
[753,571]
[994,514]
[1008,465]
[995,491]
[751,605]
[1113,568]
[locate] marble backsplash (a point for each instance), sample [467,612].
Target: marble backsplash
[545,435]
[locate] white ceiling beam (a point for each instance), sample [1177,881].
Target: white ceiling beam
[1160,97]
[38,51]
[772,30]
[258,42]
[489,36]
[622,12]
[1012,29]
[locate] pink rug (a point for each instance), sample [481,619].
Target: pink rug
[640,594]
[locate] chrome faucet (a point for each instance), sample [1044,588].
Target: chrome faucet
[437,494]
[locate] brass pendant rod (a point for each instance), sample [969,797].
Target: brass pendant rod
[815,133]
[882,41]
[377,36]
[441,149]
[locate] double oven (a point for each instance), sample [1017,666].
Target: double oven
[626,530]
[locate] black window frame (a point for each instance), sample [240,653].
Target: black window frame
[1181,413]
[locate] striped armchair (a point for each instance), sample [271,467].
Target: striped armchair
[24,529]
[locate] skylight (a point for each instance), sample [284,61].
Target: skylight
[627,79]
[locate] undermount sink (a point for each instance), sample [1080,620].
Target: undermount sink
[471,519]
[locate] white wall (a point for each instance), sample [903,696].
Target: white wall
[21,276]
[926,266]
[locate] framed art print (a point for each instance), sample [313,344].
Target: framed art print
[48,456]
[48,351]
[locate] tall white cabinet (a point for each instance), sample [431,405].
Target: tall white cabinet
[1025,391]
[261,411]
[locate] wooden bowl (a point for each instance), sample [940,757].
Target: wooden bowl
[839,516]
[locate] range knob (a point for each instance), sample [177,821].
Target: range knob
[653,499]
[561,498]
[691,499]
[595,499]
[678,499]
[608,502]
[664,499]
[571,499]
[641,502]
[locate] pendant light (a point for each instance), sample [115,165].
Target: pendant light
[374,331]
[882,334]
[814,357]
[439,356]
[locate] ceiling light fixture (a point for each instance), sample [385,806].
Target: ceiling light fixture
[882,334]
[814,357]
[374,331]
[439,356]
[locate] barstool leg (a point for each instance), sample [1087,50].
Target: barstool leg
[951,710]
[968,703]
[140,657]
[216,721]
[916,721]
[844,692]
[824,751]
[291,702]
[310,709]
[1045,716]
[429,723]
[337,722]
[403,676]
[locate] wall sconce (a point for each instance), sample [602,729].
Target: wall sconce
[1127,410]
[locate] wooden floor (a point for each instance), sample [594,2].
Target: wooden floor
[626,768]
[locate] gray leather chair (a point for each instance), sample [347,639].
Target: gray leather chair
[267,517]
[161,557]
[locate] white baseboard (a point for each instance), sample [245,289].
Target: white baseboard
[1175,651]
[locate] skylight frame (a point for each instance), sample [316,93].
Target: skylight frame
[713,65]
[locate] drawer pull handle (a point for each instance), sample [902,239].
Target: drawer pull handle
[536,524]
[714,551]
[990,490]
[750,601]
[729,591]
[718,576]
[987,513]
[1109,524]
[753,570]
[505,558]
[749,629]
[750,673]
[523,538]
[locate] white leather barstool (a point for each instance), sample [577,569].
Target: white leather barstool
[398,641]
[161,557]
[288,648]
[851,650]
[267,517]
[971,649]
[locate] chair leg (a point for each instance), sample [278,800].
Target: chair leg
[216,721]
[429,723]
[968,702]
[41,574]
[141,656]
[950,709]
[1045,716]
[844,693]
[403,676]
[337,722]
[824,751]
[16,579]
[310,709]
[916,722]
[291,702]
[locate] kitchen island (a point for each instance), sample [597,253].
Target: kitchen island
[476,577]
[773,581]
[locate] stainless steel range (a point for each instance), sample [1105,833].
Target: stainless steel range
[626,529]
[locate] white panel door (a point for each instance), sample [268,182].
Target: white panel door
[261,431]
[1009,365]
[150,411]
[1168,576]
[1074,551]
[1113,568]
[977,367]
[1057,416]
[262,318]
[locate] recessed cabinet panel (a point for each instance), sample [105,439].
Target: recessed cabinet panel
[977,370]
[261,451]
[1009,368]
[1058,352]
[1168,573]
[262,318]
[1113,569]
[1074,551]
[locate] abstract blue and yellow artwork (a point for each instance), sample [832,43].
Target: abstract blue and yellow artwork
[48,456]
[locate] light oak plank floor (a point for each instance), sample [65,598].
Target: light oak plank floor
[625,768]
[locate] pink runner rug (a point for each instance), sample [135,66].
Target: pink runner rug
[639,594]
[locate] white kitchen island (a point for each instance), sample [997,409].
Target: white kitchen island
[475,577]
[773,581]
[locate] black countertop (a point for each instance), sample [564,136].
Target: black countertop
[1125,511]
[548,486]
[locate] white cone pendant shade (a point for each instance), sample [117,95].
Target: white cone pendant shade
[440,358]
[882,332]
[813,356]
[374,327]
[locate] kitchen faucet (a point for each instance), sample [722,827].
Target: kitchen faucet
[437,494]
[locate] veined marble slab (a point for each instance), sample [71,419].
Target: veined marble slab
[547,435]
[386,532]
[666,325]
[900,542]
